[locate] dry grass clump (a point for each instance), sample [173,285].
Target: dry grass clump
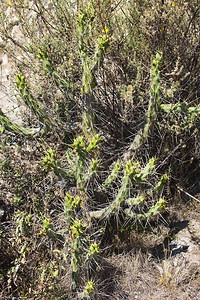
[135,276]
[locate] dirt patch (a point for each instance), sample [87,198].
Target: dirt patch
[168,270]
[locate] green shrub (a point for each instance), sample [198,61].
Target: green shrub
[112,88]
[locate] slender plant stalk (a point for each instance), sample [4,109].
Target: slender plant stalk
[7,124]
[153,108]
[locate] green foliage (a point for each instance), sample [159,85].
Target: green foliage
[79,145]
[48,226]
[155,92]
[48,229]
[7,124]
[134,175]
[71,204]
[147,170]
[153,106]
[83,159]
[17,200]
[152,212]
[30,101]
[47,65]
[93,167]
[50,161]
[114,174]
[23,223]
[136,201]
[93,250]
[182,116]
[126,74]
[94,143]
[160,185]
[76,251]
[88,290]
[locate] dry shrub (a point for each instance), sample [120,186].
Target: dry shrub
[51,45]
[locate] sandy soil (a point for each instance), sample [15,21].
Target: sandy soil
[8,102]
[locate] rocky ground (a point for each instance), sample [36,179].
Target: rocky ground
[166,266]
[8,102]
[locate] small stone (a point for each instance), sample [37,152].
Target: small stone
[1,213]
